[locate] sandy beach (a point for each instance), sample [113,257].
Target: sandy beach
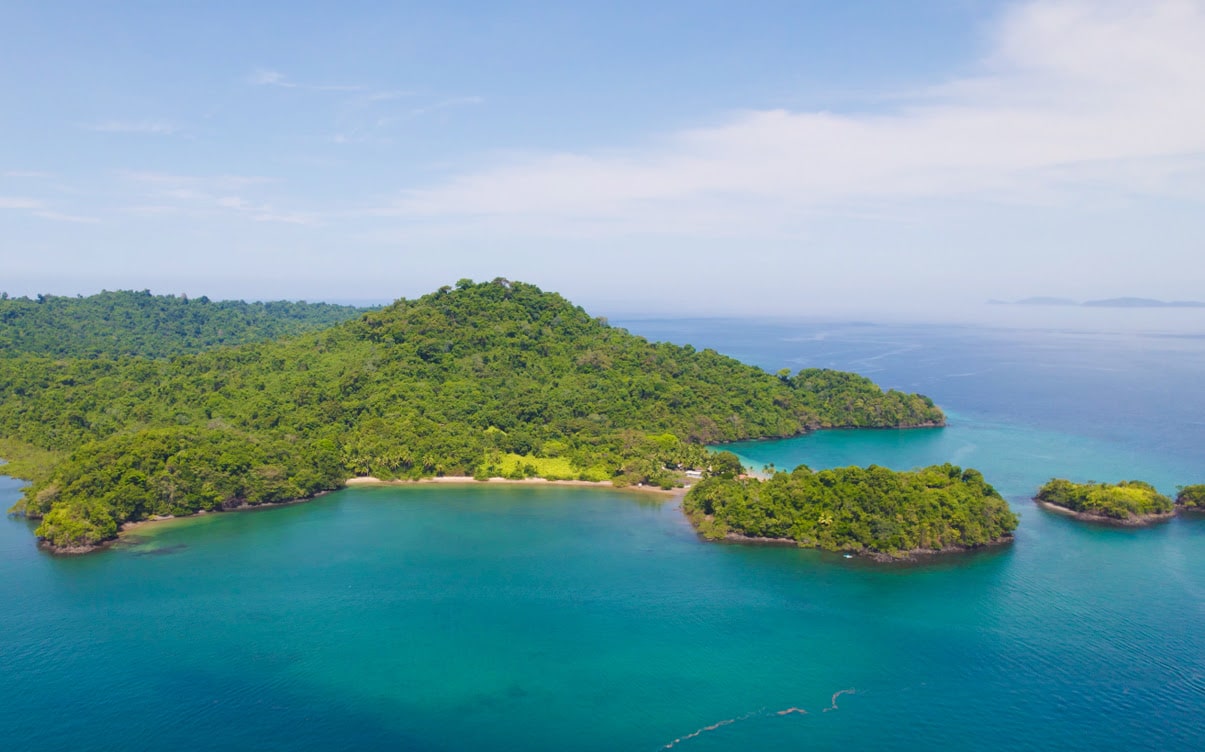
[368,480]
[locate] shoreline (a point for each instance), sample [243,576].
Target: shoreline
[464,480]
[882,557]
[1134,520]
[359,481]
[943,423]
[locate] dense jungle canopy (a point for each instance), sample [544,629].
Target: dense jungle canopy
[495,378]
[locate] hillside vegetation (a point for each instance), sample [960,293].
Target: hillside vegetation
[1192,497]
[152,326]
[1129,500]
[867,510]
[459,382]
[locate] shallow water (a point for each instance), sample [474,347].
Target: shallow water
[520,618]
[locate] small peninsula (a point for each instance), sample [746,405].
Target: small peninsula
[484,379]
[1130,502]
[873,511]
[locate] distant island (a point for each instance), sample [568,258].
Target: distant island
[1106,303]
[1130,502]
[1191,498]
[481,379]
[874,511]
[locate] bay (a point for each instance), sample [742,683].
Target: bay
[517,618]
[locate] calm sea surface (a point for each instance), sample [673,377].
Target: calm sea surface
[485,617]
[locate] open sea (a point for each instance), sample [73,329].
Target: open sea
[519,618]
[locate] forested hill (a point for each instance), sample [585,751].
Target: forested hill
[153,326]
[482,379]
[871,510]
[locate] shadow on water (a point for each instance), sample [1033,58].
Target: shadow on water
[215,710]
[164,551]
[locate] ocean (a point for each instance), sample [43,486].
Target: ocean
[519,618]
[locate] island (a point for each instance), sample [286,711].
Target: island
[873,511]
[1191,498]
[1130,502]
[481,379]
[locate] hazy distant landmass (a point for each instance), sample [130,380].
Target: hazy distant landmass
[1105,303]
[1143,303]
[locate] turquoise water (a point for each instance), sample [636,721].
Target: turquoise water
[1016,459]
[519,618]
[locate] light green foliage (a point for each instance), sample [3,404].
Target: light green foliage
[511,465]
[26,461]
[435,386]
[152,326]
[1192,497]
[870,509]
[1129,498]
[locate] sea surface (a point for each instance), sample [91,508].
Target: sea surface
[518,618]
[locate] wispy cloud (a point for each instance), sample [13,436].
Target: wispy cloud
[11,202]
[147,127]
[444,104]
[265,77]
[209,195]
[365,120]
[367,112]
[203,182]
[55,216]
[37,208]
[1072,98]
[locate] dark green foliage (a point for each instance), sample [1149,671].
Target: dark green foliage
[1192,497]
[870,509]
[172,471]
[438,386]
[153,326]
[1125,500]
[847,400]
[723,465]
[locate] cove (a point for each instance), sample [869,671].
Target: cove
[540,618]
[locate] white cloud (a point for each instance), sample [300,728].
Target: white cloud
[1071,98]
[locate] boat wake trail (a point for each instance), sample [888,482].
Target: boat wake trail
[837,694]
[713,727]
[756,714]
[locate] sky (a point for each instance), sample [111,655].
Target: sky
[694,158]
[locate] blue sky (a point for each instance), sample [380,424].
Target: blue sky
[793,158]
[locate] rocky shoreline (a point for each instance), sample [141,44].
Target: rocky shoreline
[916,554]
[1134,520]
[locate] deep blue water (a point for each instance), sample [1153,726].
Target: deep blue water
[486,617]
